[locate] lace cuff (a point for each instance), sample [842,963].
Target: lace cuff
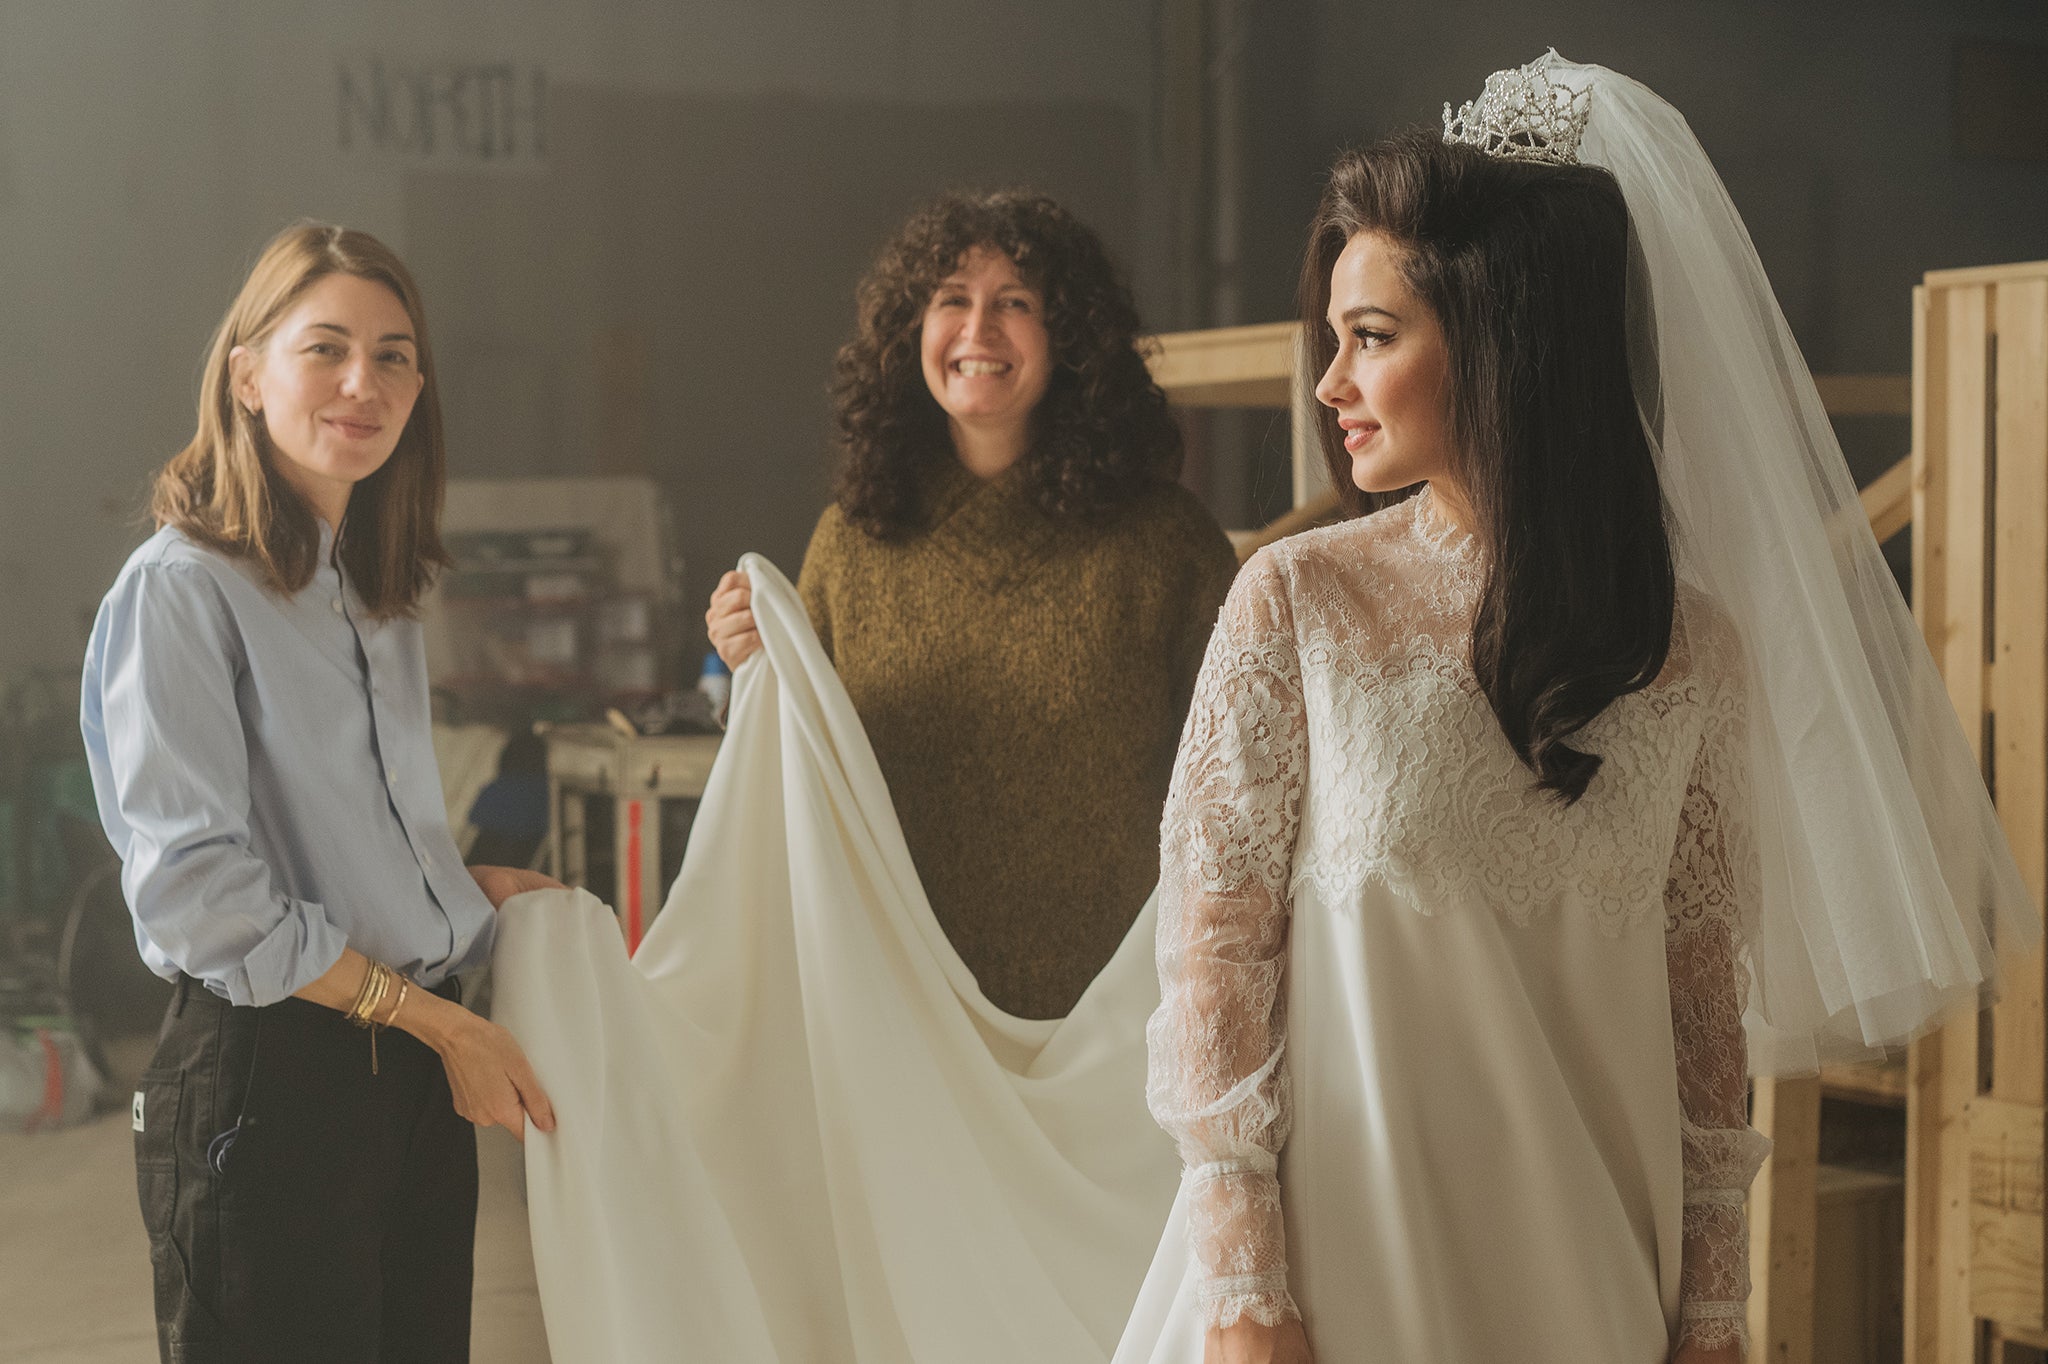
[1713,1280]
[1714,1325]
[1239,1242]
[1268,1306]
[1721,1160]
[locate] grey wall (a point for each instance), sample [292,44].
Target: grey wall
[665,287]
[149,147]
[668,296]
[1829,123]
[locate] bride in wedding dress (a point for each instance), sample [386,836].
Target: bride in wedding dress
[1500,807]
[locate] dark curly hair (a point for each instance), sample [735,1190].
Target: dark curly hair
[1101,433]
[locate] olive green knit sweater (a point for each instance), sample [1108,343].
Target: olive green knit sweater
[1024,682]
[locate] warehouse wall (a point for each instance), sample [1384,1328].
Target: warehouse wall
[710,181]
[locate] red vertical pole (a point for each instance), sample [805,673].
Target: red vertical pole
[632,878]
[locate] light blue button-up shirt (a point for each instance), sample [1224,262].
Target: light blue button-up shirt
[265,769]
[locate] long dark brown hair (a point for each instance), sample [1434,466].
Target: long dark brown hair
[224,489]
[1526,267]
[1100,435]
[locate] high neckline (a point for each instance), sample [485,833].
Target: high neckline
[1438,533]
[991,529]
[950,485]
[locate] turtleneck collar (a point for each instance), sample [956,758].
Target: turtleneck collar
[1435,529]
[991,530]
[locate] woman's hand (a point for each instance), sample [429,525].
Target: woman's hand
[489,1074]
[492,1081]
[1689,1353]
[1247,1342]
[730,621]
[500,884]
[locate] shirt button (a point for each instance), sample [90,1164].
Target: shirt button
[337,606]
[391,775]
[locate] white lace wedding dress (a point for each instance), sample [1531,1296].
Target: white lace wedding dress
[1456,1070]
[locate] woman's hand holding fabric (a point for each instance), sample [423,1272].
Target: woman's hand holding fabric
[500,884]
[730,620]
[1247,1342]
[492,1081]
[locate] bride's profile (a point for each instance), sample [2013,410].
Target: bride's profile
[1501,806]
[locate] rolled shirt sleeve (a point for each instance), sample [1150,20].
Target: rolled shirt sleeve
[165,739]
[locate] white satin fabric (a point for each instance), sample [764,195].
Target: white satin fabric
[791,1127]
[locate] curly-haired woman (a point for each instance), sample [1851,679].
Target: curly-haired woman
[1011,583]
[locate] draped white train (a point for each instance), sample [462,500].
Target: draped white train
[791,1127]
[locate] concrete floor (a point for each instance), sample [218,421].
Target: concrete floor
[74,1264]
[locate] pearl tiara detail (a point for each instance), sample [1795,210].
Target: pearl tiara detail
[1522,116]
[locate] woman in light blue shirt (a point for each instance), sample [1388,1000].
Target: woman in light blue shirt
[256,715]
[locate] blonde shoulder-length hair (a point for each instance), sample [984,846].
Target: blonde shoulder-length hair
[224,489]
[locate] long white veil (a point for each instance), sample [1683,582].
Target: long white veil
[1887,882]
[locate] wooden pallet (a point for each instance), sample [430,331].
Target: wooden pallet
[1974,1229]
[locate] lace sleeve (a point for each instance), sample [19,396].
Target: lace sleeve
[1708,900]
[1218,1082]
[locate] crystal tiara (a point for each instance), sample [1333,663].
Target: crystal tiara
[1522,116]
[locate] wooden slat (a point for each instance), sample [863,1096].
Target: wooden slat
[2019,693]
[2005,1188]
[2019,1335]
[1930,474]
[1866,395]
[1961,649]
[1878,1082]
[1227,366]
[1888,500]
[1987,274]
[2009,1270]
[1941,1078]
[1948,596]
[1783,1213]
[1311,474]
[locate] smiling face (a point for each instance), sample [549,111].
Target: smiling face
[334,383]
[1389,382]
[987,358]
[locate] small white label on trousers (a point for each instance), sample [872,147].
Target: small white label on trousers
[138,1110]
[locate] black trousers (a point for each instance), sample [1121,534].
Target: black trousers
[300,1208]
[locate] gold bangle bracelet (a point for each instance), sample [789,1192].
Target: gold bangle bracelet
[404,988]
[376,984]
[355,1008]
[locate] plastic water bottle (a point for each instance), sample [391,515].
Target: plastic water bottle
[715,682]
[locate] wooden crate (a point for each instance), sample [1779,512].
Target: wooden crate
[1974,1232]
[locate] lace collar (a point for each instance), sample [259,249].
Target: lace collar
[1438,534]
